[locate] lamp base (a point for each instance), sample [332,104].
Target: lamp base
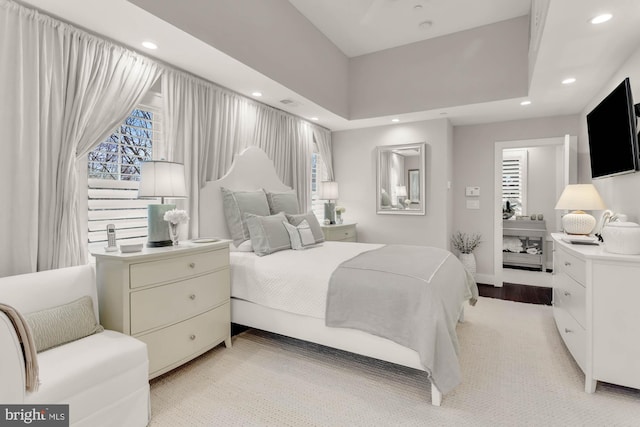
[158,228]
[578,222]
[330,212]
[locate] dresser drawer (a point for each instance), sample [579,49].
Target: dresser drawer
[172,269]
[573,335]
[171,303]
[171,346]
[572,296]
[572,265]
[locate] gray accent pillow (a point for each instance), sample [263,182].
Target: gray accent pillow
[286,202]
[62,324]
[301,236]
[295,220]
[236,204]
[268,234]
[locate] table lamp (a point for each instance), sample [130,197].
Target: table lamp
[329,191]
[401,193]
[162,179]
[576,197]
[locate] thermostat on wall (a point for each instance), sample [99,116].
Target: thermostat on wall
[472,191]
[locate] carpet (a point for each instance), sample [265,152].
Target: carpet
[516,372]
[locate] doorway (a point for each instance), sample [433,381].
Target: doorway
[543,190]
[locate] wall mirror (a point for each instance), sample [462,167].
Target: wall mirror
[401,179]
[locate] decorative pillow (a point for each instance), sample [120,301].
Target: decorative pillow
[242,247]
[268,235]
[301,236]
[236,204]
[314,225]
[286,202]
[62,324]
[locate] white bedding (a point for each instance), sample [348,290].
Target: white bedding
[292,281]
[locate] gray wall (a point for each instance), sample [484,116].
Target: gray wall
[620,193]
[479,65]
[355,171]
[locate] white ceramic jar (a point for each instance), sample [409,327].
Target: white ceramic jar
[622,238]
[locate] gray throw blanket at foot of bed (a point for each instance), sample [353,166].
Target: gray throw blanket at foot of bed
[412,295]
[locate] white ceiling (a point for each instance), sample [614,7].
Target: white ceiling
[570,46]
[358,27]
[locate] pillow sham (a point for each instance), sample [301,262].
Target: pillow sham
[242,247]
[236,204]
[286,202]
[301,236]
[314,225]
[62,324]
[268,235]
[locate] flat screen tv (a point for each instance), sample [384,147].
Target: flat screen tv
[613,138]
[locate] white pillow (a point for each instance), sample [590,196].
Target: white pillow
[242,247]
[300,236]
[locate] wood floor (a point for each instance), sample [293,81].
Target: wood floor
[519,293]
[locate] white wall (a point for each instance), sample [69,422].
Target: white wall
[355,170]
[473,157]
[619,193]
[541,184]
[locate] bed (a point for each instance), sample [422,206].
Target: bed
[286,292]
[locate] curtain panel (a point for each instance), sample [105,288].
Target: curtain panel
[62,91]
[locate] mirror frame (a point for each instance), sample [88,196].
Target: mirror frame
[380,150]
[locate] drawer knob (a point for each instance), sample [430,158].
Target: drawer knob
[567,330]
[192,265]
[192,296]
[192,337]
[567,293]
[567,263]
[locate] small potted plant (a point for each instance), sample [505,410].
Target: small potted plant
[339,211]
[466,244]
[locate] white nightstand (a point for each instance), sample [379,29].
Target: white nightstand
[176,299]
[340,232]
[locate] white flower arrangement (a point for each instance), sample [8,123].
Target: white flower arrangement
[407,202]
[340,210]
[176,216]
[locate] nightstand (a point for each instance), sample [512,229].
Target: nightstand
[176,299]
[340,232]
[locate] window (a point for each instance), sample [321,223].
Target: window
[514,180]
[114,175]
[318,174]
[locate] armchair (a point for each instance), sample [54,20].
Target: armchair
[103,377]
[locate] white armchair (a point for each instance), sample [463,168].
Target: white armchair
[103,377]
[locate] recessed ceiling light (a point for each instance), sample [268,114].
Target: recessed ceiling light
[525,102]
[417,7]
[395,120]
[425,25]
[569,80]
[149,45]
[314,118]
[258,94]
[601,18]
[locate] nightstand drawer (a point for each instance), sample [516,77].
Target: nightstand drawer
[171,346]
[169,270]
[340,233]
[167,304]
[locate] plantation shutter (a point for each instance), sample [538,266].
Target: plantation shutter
[514,179]
[318,174]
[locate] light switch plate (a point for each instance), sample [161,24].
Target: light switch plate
[473,204]
[472,191]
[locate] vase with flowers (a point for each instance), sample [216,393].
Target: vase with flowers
[339,211]
[174,218]
[466,244]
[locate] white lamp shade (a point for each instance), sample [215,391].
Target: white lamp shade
[162,179]
[580,197]
[577,197]
[401,191]
[328,190]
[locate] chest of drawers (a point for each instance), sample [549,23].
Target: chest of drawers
[595,297]
[176,299]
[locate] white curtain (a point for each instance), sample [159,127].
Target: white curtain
[208,125]
[62,91]
[322,138]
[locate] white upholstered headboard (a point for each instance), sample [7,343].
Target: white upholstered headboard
[251,170]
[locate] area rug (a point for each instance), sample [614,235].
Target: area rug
[516,372]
